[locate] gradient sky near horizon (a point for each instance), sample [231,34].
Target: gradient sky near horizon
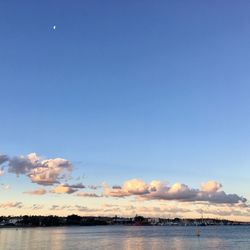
[153,90]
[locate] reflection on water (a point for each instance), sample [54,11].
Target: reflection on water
[124,237]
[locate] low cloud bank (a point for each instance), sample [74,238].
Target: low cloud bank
[157,190]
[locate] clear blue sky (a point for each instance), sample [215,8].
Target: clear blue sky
[124,89]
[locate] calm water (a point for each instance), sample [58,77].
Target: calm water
[125,237]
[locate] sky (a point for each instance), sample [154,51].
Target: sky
[144,103]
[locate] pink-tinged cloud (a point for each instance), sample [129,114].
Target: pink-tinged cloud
[157,190]
[61,189]
[1,172]
[211,186]
[136,187]
[130,187]
[51,171]
[43,172]
[39,191]
[11,205]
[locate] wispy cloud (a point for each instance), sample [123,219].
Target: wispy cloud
[40,191]
[86,194]
[5,186]
[11,205]
[59,208]
[86,209]
[37,206]
[94,187]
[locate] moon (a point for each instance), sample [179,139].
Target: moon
[54,27]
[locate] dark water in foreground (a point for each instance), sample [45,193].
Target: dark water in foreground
[125,237]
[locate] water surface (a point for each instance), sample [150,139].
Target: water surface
[125,237]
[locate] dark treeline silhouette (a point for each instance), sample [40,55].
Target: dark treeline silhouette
[47,221]
[76,220]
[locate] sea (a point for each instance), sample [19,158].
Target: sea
[125,237]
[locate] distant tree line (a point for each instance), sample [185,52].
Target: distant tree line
[76,220]
[48,221]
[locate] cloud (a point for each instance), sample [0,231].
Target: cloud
[136,187]
[86,209]
[78,185]
[82,208]
[40,171]
[37,206]
[223,210]
[157,190]
[11,205]
[3,159]
[161,210]
[62,189]
[5,186]
[39,191]
[220,197]
[57,207]
[50,171]
[114,192]
[20,165]
[130,187]
[91,195]
[110,205]
[211,186]
[178,191]
[1,172]
[67,188]
[94,187]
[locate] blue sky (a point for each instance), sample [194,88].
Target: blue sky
[129,89]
